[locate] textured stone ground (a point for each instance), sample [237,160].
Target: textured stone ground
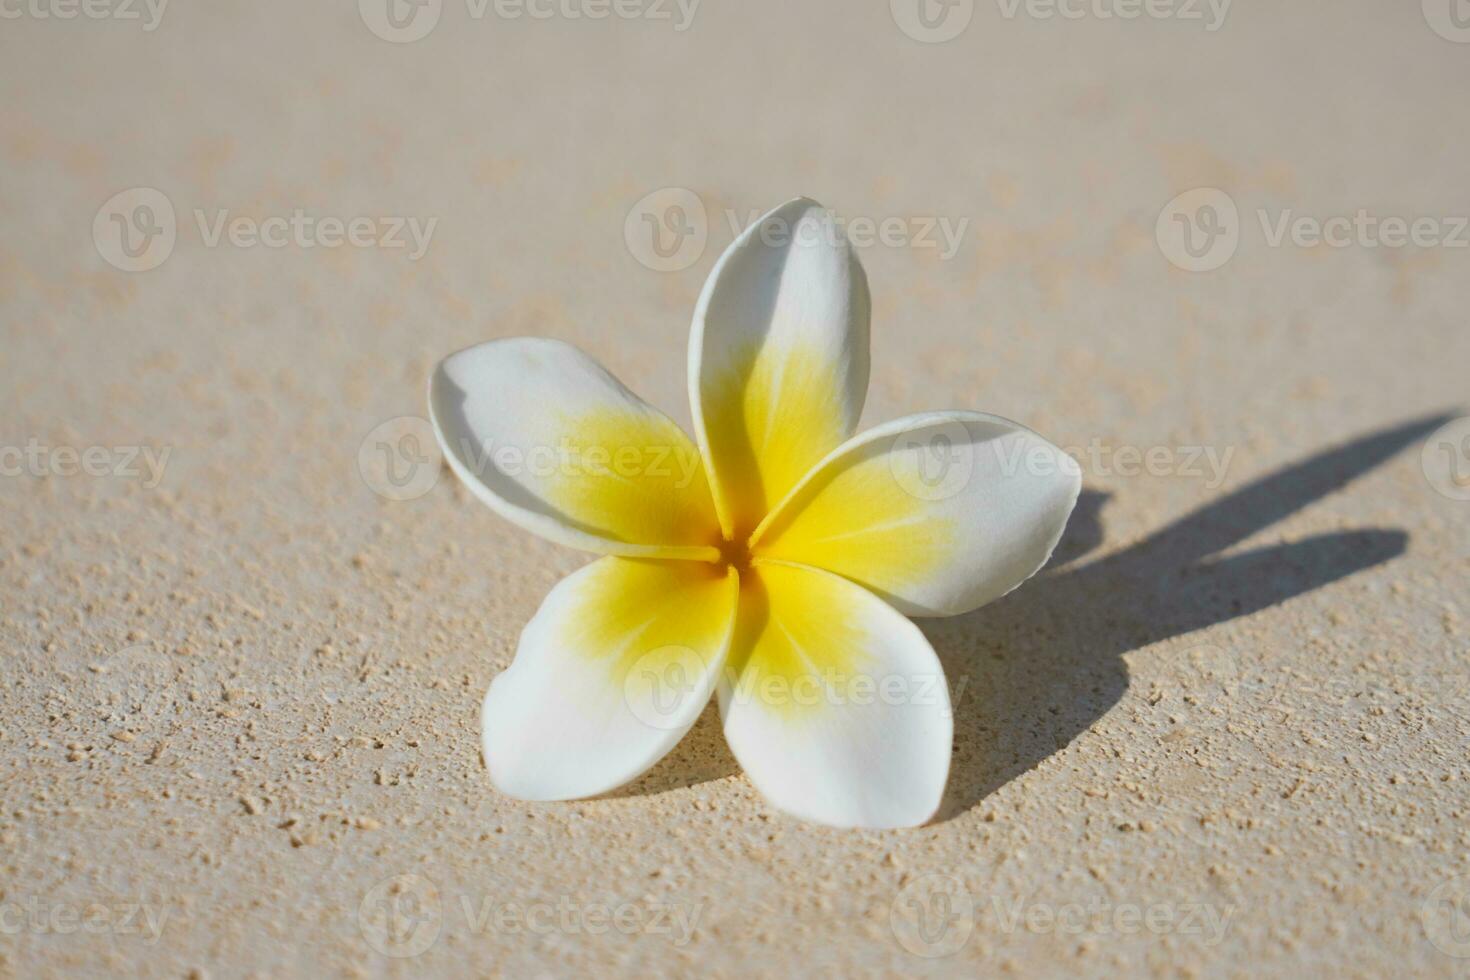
[1224,734]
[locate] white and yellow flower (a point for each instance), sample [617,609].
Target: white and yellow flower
[773,565]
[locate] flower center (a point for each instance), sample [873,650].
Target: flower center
[736,553]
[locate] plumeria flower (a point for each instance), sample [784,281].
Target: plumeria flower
[774,565]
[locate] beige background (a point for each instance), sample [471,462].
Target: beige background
[244,701]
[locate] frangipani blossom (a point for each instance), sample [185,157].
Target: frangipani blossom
[771,562]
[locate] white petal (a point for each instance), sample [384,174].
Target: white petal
[554,443]
[778,358]
[834,703]
[938,513]
[613,669]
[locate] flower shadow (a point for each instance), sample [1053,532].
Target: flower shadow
[1032,671]
[1039,667]
[701,756]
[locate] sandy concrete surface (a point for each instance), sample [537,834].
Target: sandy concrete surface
[1225,733]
